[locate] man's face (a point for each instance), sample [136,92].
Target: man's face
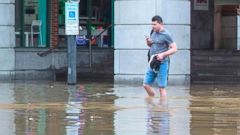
[156,26]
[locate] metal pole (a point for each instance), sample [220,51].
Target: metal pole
[72,60]
[89,30]
[90,55]
[89,20]
[22,39]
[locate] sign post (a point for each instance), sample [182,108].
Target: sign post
[72,29]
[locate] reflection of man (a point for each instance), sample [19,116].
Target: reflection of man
[77,95]
[158,118]
[161,47]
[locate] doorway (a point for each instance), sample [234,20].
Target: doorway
[226,25]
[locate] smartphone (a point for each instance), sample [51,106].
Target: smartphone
[146,36]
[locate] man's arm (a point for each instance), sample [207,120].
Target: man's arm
[172,50]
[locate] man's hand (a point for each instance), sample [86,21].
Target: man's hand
[172,50]
[149,41]
[160,56]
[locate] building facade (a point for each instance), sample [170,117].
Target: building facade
[7,38]
[132,22]
[121,52]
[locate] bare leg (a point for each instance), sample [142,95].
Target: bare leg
[163,92]
[149,90]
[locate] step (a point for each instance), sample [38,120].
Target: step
[215,78]
[214,53]
[215,82]
[216,58]
[217,71]
[225,65]
[215,67]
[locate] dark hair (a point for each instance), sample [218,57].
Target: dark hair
[157,18]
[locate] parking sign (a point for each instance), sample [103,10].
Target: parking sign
[72,18]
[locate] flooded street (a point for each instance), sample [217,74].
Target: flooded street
[47,108]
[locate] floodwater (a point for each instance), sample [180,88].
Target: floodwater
[50,108]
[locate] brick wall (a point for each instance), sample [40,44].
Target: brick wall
[53,23]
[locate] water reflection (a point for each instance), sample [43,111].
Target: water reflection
[75,115]
[33,108]
[131,116]
[87,110]
[39,108]
[215,110]
[7,115]
[47,108]
[158,116]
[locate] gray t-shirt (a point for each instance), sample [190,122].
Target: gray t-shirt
[161,41]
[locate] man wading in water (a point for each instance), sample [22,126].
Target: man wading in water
[161,47]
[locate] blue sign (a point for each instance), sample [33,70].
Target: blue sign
[72,14]
[72,18]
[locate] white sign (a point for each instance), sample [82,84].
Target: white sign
[72,18]
[201,4]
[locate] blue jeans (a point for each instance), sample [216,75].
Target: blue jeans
[162,75]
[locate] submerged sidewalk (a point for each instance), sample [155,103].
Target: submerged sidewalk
[53,108]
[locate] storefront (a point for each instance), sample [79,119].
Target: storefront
[41,42]
[35,21]
[215,25]
[117,28]
[215,36]
[120,51]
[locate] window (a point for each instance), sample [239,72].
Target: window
[31,23]
[98,28]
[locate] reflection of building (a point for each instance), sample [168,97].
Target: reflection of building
[85,115]
[191,23]
[37,116]
[214,111]
[7,123]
